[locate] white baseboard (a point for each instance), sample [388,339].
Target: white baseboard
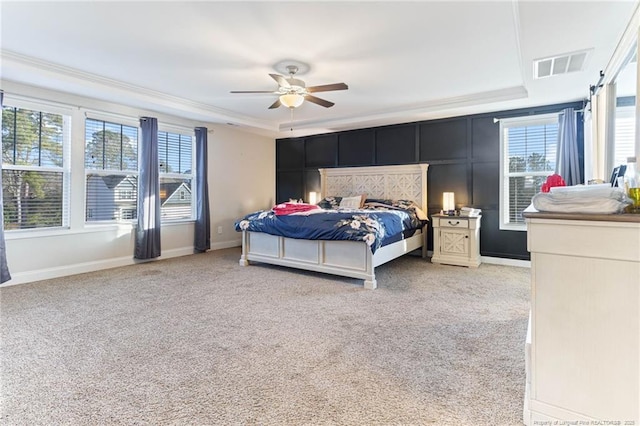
[226,244]
[499,261]
[506,262]
[81,268]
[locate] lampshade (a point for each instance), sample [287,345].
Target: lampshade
[292,100]
[314,197]
[448,202]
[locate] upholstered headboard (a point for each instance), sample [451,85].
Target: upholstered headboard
[405,182]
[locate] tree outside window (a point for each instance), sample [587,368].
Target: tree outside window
[111,165]
[33,168]
[529,156]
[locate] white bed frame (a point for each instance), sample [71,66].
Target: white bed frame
[347,258]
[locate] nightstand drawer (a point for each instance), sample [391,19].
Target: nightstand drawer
[454,222]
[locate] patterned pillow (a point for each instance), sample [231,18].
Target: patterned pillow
[330,203]
[371,203]
[334,203]
[351,202]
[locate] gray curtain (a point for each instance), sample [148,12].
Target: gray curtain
[202,241]
[568,160]
[4,269]
[147,241]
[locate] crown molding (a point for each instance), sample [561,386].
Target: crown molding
[416,110]
[142,94]
[118,90]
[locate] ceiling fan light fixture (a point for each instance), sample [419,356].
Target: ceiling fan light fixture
[291,100]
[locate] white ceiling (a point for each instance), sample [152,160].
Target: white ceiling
[403,61]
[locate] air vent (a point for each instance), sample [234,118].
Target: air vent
[561,64]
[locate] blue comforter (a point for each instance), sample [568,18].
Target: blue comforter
[375,227]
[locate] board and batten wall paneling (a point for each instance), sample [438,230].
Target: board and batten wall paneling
[463,155]
[356,148]
[289,185]
[396,145]
[497,243]
[486,139]
[486,179]
[321,151]
[443,140]
[448,178]
[289,167]
[290,154]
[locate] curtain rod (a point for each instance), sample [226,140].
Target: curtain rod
[497,120]
[595,89]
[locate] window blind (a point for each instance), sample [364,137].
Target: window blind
[111,166]
[34,177]
[625,134]
[530,146]
[175,153]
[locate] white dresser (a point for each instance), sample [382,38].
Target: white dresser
[456,240]
[583,346]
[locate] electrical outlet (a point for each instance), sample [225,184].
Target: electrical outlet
[219,229]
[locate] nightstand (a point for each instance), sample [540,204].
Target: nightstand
[456,240]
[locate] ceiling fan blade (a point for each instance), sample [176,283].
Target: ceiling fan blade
[276,104]
[282,82]
[252,91]
[327,87]
[319,101]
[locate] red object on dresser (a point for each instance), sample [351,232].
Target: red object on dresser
[553,180]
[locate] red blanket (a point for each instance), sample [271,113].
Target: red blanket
[288,208]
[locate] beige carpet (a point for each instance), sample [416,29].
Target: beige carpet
[199,340]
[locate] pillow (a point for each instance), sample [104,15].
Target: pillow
[410,205]
[383,204]
[351,202]
[421,215]
[333,203]
[330,203]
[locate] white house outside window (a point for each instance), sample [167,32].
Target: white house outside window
[528,157]
[35,169]
[111,168]
[175,154]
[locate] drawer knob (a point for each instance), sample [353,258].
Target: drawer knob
[453,224]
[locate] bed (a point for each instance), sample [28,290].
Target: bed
[355,259]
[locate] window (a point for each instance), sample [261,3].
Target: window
[625,134]
[111,168]
[175,154]
[35,176]
[528,156]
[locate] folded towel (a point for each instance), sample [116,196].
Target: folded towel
[602,199]
[604,190]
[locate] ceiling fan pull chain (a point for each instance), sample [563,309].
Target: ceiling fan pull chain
[291,119]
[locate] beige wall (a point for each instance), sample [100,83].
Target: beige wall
[241,180]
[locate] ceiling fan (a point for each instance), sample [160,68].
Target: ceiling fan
[293,92]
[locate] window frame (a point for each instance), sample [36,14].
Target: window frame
[625,119]
[65,170]
[522,121]
[183,131]
[119,121]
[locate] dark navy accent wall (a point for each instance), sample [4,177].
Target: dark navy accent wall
[463,155]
